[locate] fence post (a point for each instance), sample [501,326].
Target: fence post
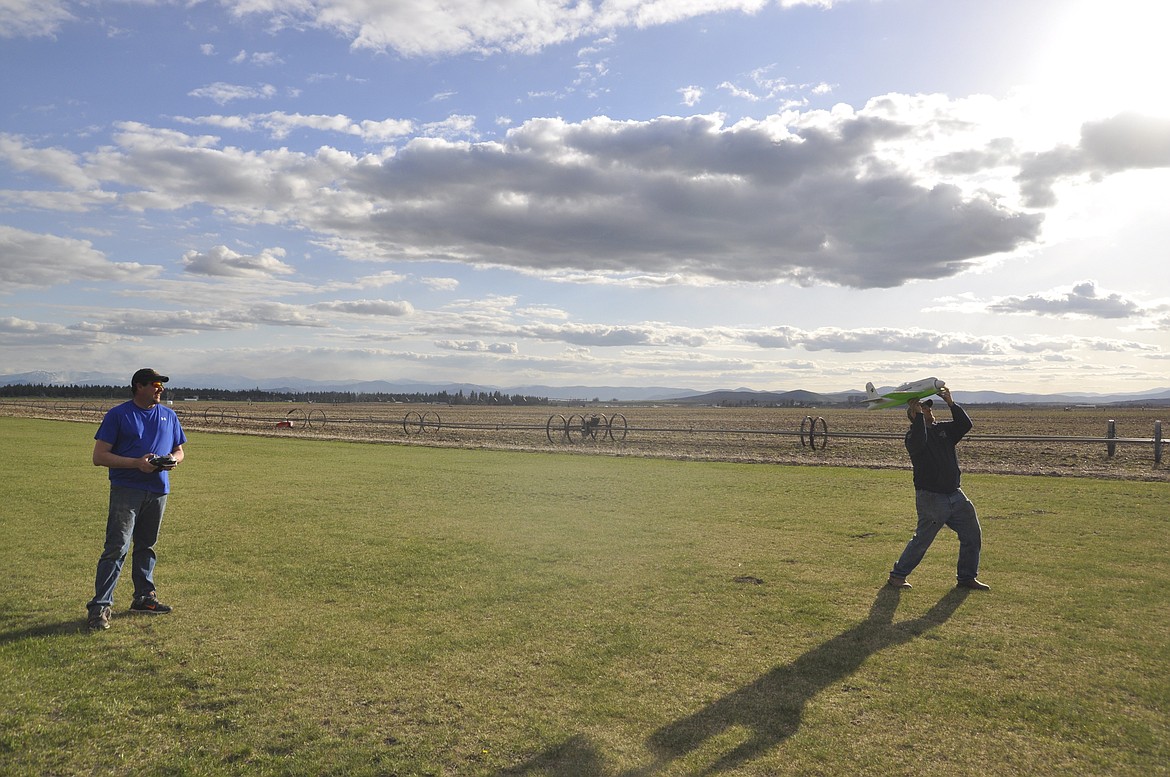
[1157,442]
[1111,446]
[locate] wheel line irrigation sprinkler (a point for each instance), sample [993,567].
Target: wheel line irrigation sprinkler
[578,428]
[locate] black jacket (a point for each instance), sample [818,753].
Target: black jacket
[932,451]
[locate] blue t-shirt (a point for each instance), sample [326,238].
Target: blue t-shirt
[134,432]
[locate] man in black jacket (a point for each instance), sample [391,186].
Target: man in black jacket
[937,496]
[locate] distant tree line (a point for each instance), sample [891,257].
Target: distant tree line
[260,395]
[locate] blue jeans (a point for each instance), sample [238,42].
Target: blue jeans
[135,516]
[935,511]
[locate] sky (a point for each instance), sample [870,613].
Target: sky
[708,194]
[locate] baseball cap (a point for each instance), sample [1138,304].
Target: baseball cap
[147,375]
[924,403]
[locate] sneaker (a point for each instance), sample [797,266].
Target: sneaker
[898,582]
[99,617]
[149,605]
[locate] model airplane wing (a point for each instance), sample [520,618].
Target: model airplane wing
[915,390]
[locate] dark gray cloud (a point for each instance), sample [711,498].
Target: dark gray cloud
[686,195]
[1082,301]
[1128,141]
[822,200]
[1000,152]
[367,307]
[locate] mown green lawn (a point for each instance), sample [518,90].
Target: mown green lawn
[370,609]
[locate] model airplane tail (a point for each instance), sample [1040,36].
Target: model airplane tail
[907,391]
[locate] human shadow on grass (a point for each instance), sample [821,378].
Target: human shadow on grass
[770,708]
[575,757]
[75,626]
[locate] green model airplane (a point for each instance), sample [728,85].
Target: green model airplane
[901,395]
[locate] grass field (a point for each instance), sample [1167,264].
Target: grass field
[345,608]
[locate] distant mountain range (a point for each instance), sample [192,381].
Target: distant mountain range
[193,383]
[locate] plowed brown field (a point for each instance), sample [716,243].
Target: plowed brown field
[1011,440]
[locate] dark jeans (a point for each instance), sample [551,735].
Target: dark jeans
[935,511]
[135,516]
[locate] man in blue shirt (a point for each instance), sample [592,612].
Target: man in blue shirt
[140,441]
[937,496]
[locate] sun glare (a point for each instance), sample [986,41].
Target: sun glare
[1106,56]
